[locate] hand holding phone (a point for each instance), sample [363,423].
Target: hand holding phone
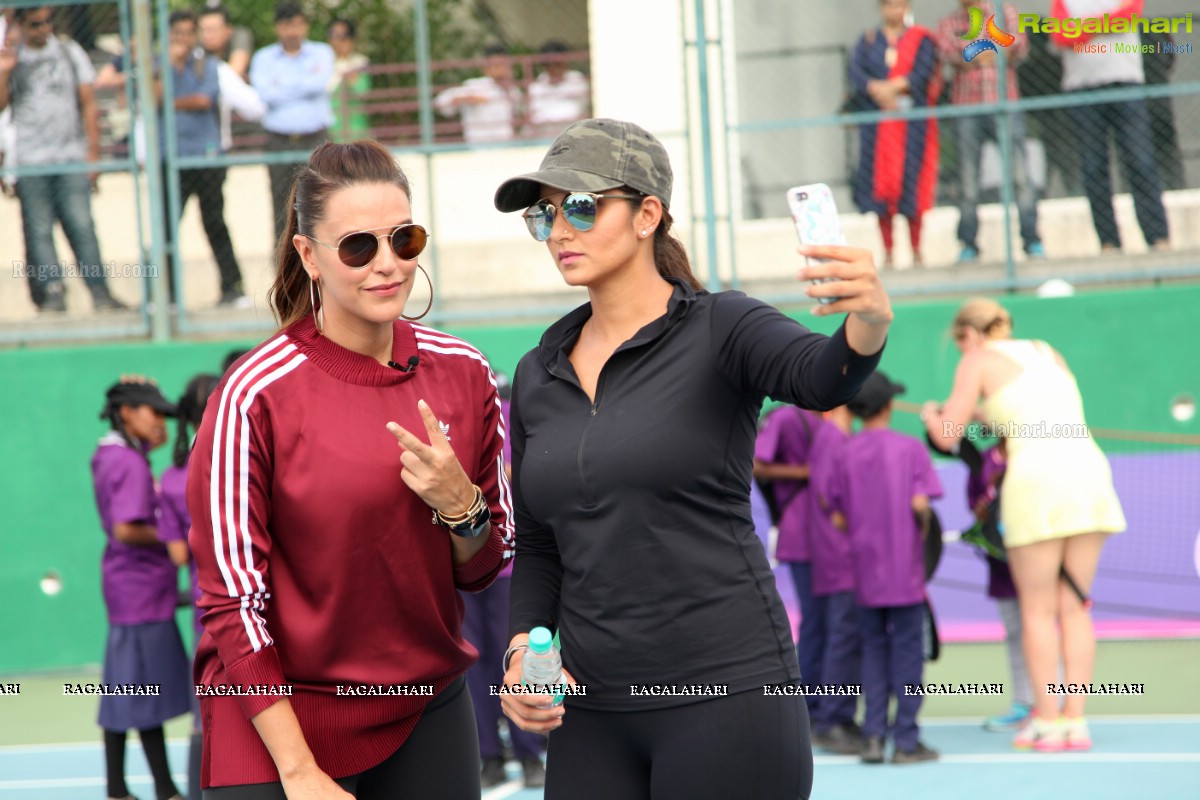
[816,217]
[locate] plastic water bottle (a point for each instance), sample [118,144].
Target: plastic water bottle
[541,664]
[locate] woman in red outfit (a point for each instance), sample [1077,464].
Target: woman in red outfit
[332,659]
[895,68]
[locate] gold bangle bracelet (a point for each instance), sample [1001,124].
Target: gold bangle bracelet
[472,509]
[477,504]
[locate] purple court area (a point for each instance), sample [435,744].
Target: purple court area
[1148,584]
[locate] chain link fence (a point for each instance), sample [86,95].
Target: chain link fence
[978,145]
[111,203]
[988,150]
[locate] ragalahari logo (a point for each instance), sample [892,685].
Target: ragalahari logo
[995,35]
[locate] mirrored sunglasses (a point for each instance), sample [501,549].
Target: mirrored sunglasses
[358,249]
[579,209]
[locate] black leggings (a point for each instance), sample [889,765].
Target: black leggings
[154,745]
[440,759]
[746,746]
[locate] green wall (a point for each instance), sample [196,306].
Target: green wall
[1132,352]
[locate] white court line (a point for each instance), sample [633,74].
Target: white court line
[1098,719]
[71,783]
[1037,758]
[514,786]
[503,790]
[69,746]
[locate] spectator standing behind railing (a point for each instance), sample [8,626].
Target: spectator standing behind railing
[350,82]
[489,105]
[1157,66]
[232,45]
[559,96]
[48,83]
[1086,68]
[237,96]
[1040,75]
[895,67]
[292,78]
[976,82]
[195,77]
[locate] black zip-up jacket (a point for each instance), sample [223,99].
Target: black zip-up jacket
[634,535]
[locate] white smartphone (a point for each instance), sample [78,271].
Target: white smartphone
[817,222]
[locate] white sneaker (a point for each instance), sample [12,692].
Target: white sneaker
[1076,735]
[1041,735]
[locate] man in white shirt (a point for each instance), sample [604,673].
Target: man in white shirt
[559,96]
[489,105]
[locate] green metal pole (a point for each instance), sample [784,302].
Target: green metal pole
[131,156]
[160,323]
[170,155]
[425,98]
[1004,140]
[424,82]
[706,155]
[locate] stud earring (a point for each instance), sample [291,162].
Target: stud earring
[644,234]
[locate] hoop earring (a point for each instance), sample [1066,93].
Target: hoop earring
[428,305]
[313,289]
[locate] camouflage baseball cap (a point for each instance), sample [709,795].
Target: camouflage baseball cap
[593,155]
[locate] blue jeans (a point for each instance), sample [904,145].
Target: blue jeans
[1127,124]
[893,657]
[66,199]
[972,133]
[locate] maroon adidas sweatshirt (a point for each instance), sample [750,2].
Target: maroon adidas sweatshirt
[318,567]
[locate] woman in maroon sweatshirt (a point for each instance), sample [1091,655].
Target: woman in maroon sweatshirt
[328,557]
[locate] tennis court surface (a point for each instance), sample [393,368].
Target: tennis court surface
[1135,757]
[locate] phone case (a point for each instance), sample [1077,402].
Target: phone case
[816,217]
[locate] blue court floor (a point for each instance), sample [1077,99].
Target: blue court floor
[1150,758]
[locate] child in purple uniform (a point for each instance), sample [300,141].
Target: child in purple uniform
[139,583]
[983,496]
[834,727]
[883,480]
[173,525]
[781,459]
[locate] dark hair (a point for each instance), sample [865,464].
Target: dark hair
[331,167]
[222,10]
[191,412]
[22,13]
[554,46]
[112,413]
[495,50]
[285,11]
[670,258]
[231,358]
[183,15]
[351,30]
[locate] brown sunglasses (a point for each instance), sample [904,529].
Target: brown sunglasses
[358,249]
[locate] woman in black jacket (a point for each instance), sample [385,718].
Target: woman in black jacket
[633,426]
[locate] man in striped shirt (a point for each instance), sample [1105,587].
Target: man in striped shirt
[976,82]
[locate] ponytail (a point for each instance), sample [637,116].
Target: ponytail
[670,257]
[288,297]
[191,413]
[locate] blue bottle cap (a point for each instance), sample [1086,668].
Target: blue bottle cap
[540,640]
